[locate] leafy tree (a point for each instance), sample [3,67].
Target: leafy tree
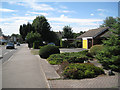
[110,55]
[75,35]
[67,32]
[51,37]
[32,37]
[25,29]
[42,26]
[108,22]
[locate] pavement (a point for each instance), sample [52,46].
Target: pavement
[98,82]
[49,71]
[23,70]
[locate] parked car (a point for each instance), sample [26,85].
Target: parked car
[51,44]
[18,44]
[10,46]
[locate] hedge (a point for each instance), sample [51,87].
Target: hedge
[48,50]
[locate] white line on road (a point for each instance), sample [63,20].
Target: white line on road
[11,50]
[5,53]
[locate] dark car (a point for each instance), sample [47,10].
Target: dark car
[51,44]
[10,46]
[18,44]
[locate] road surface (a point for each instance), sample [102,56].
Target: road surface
[7,53]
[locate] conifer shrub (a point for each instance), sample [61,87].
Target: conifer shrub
[80,71]
[74,57]
[95,49]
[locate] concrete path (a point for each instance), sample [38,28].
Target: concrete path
[23,71]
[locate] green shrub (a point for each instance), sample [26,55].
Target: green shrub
[55,59]
[79,71]
[40,47]
[95,49]
[36,44]
[47,50]
[74,57]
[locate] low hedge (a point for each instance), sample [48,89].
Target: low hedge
[80,71]
[95,49]
[48,50]
[74,57]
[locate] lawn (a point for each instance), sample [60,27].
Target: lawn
[35,51]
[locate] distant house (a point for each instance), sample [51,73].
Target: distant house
[94,36]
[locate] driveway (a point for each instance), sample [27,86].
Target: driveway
[62,50]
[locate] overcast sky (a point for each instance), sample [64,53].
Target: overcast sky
[81,16]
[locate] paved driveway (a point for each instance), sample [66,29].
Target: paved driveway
[71,49]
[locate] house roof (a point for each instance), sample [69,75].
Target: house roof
[107,34]
[93,33]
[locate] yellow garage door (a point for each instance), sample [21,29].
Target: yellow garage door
[85,44]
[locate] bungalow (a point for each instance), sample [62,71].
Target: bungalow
[93,37]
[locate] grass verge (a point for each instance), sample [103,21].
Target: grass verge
[35,51]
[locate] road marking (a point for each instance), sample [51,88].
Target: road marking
[11,50]
[5,53]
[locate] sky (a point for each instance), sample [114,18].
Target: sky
[81,16]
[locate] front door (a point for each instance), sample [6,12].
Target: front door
[89,43]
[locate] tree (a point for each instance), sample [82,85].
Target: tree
[67,32]
[108,22]
[42,26]
[25,29]
[110,55]
[32,37]
[51,37]
[75,35]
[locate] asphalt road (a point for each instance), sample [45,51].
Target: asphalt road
[7,53]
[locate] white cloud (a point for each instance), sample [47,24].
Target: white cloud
[102,10]
[45,7]
[63,7]
[92,14]
[63,18]
[38,13]
[27,14]
[35,5]
[6,10]
[12,19]
[76,23]
[102,14]
[15,22]
[75,27]
[11,25]
[65,11]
